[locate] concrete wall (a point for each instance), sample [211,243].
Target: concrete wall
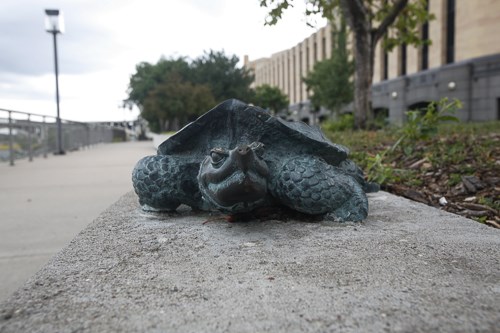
[475,82]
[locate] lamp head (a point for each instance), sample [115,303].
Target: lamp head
[54,21]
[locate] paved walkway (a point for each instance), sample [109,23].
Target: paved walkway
[45,203]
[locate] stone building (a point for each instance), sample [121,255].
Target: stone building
[462,62]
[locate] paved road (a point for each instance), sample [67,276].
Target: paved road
[45,203]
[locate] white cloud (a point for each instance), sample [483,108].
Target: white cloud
[104,40]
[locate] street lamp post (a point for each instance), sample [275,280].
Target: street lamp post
[54,24]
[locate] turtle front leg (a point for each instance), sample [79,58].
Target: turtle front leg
[310,185]
[163,183]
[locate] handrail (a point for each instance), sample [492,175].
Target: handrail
[27,138]
[28,113]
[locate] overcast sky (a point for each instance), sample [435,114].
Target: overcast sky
[105,39]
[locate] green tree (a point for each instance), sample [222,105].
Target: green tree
[174,90]
[147,76]
[369,20]
[331,79]
[270,98]
[175,102]
[164,94]
[223,76]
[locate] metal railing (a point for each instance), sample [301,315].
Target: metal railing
[26,135]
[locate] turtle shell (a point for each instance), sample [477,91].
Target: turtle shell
[233,123]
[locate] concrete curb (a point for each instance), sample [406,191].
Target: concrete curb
[408,268]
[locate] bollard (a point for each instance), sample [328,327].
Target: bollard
[45,136]
[30,140]
[11,141]
[87,128]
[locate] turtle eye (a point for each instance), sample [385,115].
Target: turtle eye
[217,156]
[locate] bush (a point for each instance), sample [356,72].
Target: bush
[421,126]
[343,123]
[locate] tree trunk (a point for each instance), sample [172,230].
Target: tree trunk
[163,124]
[365,39]
[363,76]
[358,20]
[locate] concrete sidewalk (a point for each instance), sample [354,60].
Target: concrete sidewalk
[407,268]
[45,203]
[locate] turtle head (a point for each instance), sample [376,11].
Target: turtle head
[234,180]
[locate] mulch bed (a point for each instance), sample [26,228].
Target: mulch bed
[473,193]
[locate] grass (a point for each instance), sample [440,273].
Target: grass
[453,144]
[434,165]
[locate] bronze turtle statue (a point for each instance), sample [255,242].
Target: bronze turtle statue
[237,158]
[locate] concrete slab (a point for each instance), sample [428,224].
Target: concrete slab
[408,268]
[45,203]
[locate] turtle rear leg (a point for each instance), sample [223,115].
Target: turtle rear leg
[164,182]
[153,179]
[310,185]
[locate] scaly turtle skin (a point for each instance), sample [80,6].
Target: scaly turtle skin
[237,158]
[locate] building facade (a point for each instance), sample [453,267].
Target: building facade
[286,69]
[463,61]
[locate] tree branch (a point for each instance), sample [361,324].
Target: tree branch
[397,8]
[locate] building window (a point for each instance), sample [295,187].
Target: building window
[315,59]
[450,31]
[385,74]
[402,69]
[278,73]
[300,76]
[425,47]
[307,60]
[498,108]
[289,92]
[323,48]
[283,74]
[381,115]
[294,88]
